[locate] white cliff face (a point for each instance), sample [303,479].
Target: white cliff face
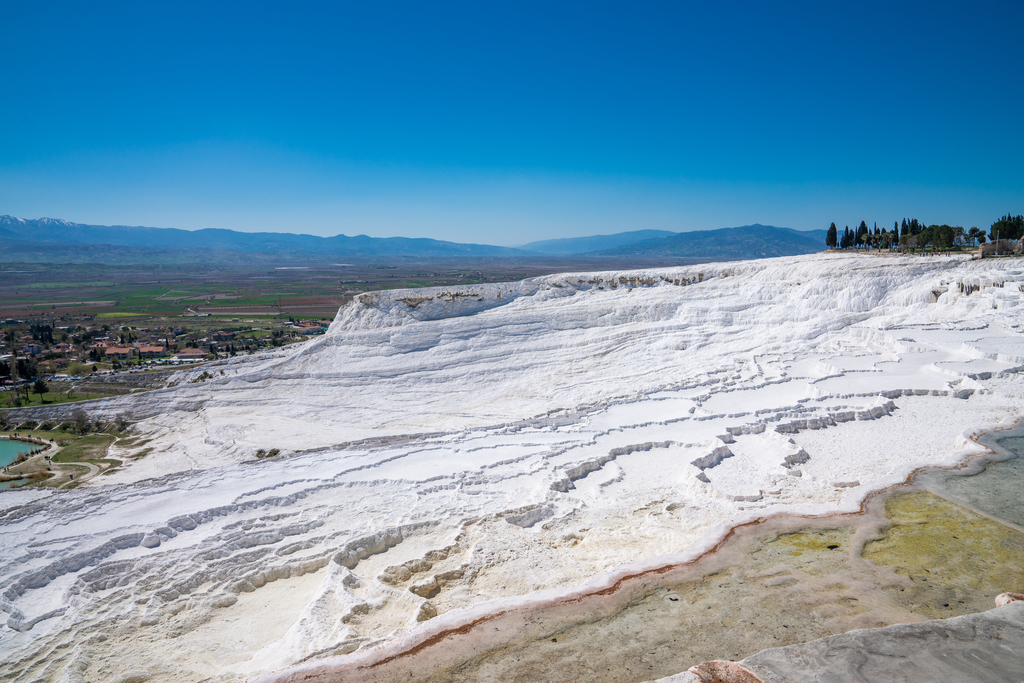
[445,359]
[447,447]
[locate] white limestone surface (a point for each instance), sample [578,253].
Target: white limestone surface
[450,452]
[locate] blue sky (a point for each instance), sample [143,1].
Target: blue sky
[507,123]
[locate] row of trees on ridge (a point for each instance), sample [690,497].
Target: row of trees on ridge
[913,233]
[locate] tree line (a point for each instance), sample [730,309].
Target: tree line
[1008,227]
[41,333]
[913,233]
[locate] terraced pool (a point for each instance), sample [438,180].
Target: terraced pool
[943,545]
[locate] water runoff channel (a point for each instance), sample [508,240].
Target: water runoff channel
[941,545]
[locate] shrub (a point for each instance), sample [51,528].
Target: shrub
[80,420]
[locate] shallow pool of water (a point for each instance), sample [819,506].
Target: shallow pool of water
[996,492]
[10,448]
[944,545]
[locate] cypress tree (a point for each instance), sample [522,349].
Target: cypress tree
[830,238]
[862,233]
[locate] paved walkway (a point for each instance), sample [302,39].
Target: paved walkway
[93,471]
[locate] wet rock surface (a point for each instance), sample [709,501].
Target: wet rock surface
[986,647]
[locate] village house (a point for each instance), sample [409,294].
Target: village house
[119,353]
[191,354]
[152,352]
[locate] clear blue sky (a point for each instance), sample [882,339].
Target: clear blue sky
[508,123]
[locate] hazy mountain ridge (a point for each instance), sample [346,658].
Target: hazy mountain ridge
[593,243]
[745,242]
[20,251]
[55,231]
[748,241]
[50,240]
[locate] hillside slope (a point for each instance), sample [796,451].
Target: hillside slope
[465,469]
[746,242]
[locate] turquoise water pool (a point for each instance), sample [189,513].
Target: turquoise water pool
[9,450]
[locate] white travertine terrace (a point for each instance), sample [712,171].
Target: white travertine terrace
[452,452]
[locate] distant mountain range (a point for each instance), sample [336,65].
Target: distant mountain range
[746,242]
[48,240]
[594,243]
[61,232]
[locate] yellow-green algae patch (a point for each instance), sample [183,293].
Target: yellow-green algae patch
[797,543]
[957,559]
[799,581]
[782,582]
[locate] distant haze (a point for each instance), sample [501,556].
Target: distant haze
[48,240]
[584,245]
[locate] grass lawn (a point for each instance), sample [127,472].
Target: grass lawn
[91,447]
[55,397]
[135,442]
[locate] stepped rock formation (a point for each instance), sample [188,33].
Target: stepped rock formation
[451,454]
